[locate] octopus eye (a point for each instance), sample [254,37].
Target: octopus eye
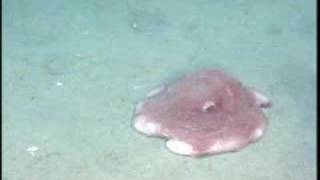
[208,106]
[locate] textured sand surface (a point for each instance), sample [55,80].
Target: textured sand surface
[72,71]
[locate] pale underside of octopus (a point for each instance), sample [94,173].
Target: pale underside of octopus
[204,113]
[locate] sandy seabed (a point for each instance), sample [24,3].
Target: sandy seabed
[73,71]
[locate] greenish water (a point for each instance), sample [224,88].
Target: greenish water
[73,70]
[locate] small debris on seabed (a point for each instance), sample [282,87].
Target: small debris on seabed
[134,25]
[59,83]
[32,150]
[137,87]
